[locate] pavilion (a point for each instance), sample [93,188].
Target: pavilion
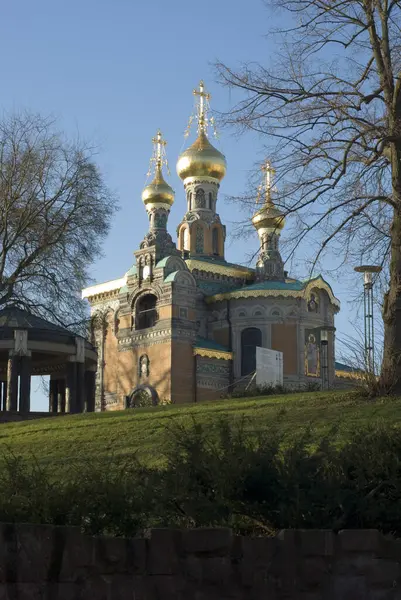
[30,345]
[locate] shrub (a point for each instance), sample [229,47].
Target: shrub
[219,474]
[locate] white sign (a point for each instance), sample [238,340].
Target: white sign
[269,367]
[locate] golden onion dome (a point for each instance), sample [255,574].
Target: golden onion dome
[158,191]
[201,160]
[268,217]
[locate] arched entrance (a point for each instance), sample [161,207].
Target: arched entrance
[143,395]
[250,339]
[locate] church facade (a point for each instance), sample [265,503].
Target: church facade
[183,323]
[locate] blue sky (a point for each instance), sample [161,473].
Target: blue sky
[113,72]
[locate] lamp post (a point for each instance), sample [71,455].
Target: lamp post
[368,271]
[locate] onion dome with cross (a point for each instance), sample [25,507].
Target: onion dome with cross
[201,159]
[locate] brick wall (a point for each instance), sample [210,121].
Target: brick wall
[51,563]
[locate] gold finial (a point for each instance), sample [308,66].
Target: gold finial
[267,184]
[202,109]
[159,158]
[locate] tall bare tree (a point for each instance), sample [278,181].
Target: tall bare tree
[329,108]
[55,210]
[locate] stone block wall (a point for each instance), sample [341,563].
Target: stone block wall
[54,563]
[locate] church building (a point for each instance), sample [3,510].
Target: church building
[183,323]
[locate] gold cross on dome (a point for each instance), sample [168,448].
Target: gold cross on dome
[159,144]
[269,176]
[203,106]
[159,154]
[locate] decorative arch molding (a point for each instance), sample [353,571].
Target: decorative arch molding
[258,311]
[185,278]
[276,311]
[241,313]
[135,296]
[174,263]
[143,389]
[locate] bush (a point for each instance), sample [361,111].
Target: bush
[219,475]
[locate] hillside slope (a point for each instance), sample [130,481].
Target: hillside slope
[143,432]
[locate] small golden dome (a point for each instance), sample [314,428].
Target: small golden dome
[158,191]
[201,160]
[268,217]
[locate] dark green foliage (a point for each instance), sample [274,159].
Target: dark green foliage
[217,475]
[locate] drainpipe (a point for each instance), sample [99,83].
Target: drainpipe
[230,346]
[195,381]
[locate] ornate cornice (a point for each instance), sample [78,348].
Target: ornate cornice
[348,374]
[199,265]
[209,353]
[246,293]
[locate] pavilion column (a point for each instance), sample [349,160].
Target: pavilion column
[12,382]
[53,395]
[90,389]
[71,388]
[60,395]
[81,389]
[25,384]
[2,396]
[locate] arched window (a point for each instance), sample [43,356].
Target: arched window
[215,240]
[210,201]
[200,200]
[186,239]
[199,240]
[146,313]
[189,199]
[250,339]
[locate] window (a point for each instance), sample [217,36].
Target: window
[215,240]
[242,314]
[210,201]
[183,313]
[146,313]
[258,313]
[250,339]
[186,239]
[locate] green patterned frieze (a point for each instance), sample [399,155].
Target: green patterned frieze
[212,368]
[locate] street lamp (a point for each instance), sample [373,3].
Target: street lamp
[323,333]
[368,271]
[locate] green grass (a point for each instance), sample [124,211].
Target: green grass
[143,432]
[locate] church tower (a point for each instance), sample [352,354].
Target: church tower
[201,168]
[268,222]
[158,198]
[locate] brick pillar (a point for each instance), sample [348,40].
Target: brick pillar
[53,395]
[25,384]
[12,382]
[71,388]
[90,386]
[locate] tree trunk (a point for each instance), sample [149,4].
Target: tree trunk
[391,367]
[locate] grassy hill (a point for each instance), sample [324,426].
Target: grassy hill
[143,432]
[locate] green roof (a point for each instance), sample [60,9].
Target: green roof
[171,277]
[220,262]
[162,262]
[343,367]
[275,285]
[132,271]
[214,287]
[210,345]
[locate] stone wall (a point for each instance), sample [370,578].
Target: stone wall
[10,416]
[54,563]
